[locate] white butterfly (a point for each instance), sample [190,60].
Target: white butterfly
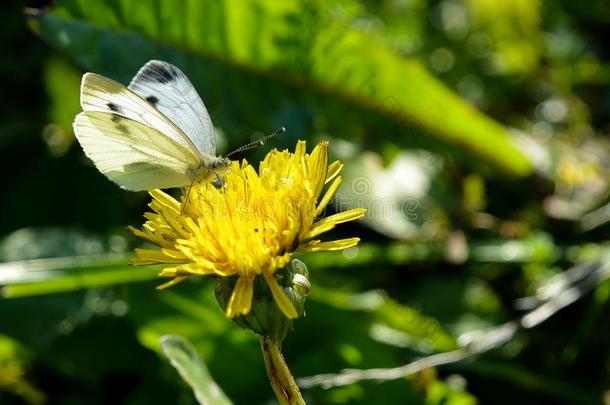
[156,133]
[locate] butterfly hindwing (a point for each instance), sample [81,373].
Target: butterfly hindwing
[170,91]
[132,154]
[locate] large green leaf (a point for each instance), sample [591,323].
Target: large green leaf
[293,55]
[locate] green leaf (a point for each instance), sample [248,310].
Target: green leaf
[13,363]
[392,323]
[184,358]
[291,53]
[439,392]
[48,276]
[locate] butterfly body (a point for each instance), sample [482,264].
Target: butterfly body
[209,170]
[154,133]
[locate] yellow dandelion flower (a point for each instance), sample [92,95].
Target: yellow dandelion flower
[250,226]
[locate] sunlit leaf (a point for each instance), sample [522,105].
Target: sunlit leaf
[293,55]
[47,276]
[184,358]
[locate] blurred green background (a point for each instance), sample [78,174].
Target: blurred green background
[475,132]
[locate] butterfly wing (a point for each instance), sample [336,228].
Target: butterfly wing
[98,93]
[132,154]
[170,91]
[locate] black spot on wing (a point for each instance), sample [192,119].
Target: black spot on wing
[161,73]
[122,128]
[152,100]
[113,107]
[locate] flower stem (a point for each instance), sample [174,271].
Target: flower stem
[282,382]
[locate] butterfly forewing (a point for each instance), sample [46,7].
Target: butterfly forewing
[132,154]
[98,93]
[155,134]
[170,91]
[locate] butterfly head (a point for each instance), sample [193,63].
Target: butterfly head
[221,164]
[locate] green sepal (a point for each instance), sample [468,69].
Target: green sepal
[265,317]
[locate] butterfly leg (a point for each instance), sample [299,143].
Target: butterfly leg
[219,181]
[188,195]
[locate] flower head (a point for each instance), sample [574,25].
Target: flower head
[249,226]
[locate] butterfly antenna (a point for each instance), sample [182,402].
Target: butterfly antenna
[258,143]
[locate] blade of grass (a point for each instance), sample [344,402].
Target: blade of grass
[48,276]
[183,356]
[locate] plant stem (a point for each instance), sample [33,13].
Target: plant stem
[282,382]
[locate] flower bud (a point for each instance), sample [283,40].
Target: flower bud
[265,317]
